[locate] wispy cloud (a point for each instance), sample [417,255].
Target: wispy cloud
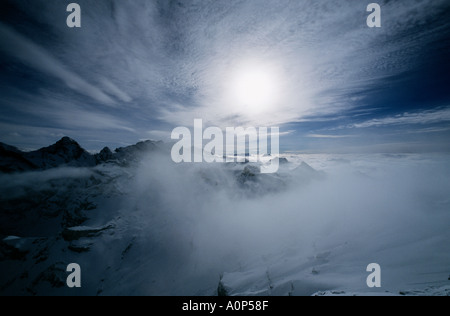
[159,135]
[424,117]
[161,64]
[113,90]
[38,58]
[328,136]
[317,72]
[50,109]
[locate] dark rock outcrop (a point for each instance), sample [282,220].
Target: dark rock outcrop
[67,152]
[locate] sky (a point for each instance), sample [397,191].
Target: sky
[137,69]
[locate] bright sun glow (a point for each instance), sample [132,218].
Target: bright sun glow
[254,88]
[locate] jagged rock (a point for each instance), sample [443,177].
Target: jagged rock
[67,152]
[11,249]
[104,156]
[248,174]
[128,248]
[55,275]
[130,154]
[75,233]
[221,290]
[80,246]
[12,160]
[42,255]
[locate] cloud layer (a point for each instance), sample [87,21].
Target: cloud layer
[154,65]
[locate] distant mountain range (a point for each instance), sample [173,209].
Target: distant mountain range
[67,152]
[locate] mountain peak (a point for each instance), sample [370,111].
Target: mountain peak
[66,147]
[67,140]
[64,152]
[66,143]
[67,152]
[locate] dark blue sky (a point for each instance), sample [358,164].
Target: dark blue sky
[137,69]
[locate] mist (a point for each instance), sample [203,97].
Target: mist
[206,222]
[160,228]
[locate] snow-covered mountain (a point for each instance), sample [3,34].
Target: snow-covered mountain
[139,224]
[67,152]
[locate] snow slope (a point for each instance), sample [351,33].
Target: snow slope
[152,227]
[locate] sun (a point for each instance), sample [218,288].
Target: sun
[254,88]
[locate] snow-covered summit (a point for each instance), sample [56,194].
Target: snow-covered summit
[64,152]
[67,152]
